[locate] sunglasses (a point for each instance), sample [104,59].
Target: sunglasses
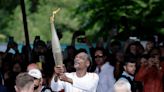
[99,56]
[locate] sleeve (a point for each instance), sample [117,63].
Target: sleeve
[140,76]
[56,86]
[88,83]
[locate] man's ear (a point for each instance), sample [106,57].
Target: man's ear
[124,67]
[105,57]
[88,63]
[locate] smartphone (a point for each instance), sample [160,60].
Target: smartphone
[79,33]
[11,39]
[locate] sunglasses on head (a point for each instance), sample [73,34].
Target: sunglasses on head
[98,56]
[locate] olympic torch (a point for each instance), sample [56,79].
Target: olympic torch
[56,48]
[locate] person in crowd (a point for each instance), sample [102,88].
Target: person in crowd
[128,73]
[10,75]
[131,50]
[114,47]
[12,45]
[99,44]
[122,86]
[141,60]
[70,55]
[79,81]
[149,45]
[151,72]
[24,83]
[118,60]
[104,70]
[45,80]
[37,75]
[39,53]
[43,58]
[32,66]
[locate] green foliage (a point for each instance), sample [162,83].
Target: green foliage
[136,17]
[8,5]
[95,17]
[38,13]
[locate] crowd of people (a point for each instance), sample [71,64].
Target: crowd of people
[113,67]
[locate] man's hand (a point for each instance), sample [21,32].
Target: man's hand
[78,33]
[157,63]
[150,62]
[59,69]
[53,15]
[13,46]
[59,73]
[63,77]
[51,19]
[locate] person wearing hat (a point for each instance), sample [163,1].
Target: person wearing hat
[37,75]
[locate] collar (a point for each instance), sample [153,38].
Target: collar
[106,64]
[128,75]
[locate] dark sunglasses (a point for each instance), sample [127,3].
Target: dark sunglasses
[98,56]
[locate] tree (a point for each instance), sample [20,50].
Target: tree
[38,13]
[134,17]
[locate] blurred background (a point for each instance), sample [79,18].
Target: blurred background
[115,19]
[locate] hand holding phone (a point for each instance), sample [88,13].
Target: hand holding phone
[78,33]
[11,43]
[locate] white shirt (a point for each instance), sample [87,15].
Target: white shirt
[106,78]
[87,83]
